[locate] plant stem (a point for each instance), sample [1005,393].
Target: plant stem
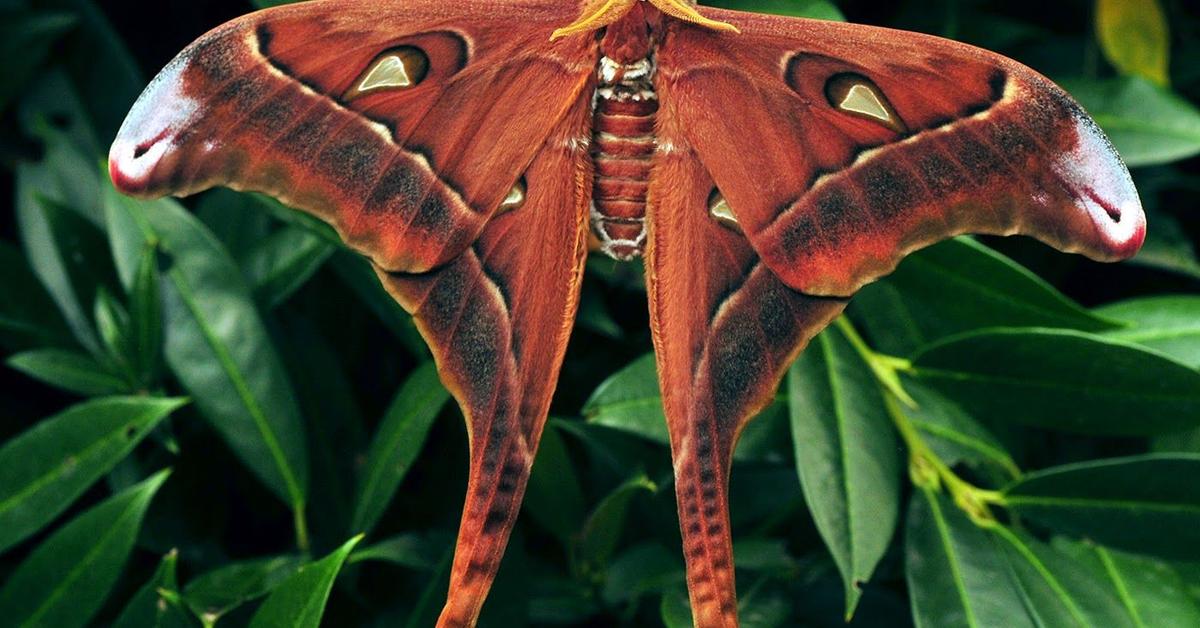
[301,526]
[926,469]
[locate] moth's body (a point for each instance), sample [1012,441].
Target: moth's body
[767,167]
[623,133]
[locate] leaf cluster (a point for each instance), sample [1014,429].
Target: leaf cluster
[213,415]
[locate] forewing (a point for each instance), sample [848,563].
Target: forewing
[840,148]
[403,124]
[497,318]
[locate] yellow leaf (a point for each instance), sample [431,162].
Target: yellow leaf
[1134,37]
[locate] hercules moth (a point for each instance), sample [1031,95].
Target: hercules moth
[765,167]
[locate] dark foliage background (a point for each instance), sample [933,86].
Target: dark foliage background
[997,434]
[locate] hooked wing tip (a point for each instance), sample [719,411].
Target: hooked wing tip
[145,153]
[1095,176]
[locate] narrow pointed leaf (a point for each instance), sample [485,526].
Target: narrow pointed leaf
[554,497]
[1170,324]
[69,370]
[148,608]
[1063,380]
[280,264]
[1057,590]
[602,531]
[1151,592]
[394,448]
[961,285]
[951,568]
[299,601]
[46,468]
[218,592]
[215,342]
[66,579]
[1148,124]
[1141,503]
[846,456]
[955,436]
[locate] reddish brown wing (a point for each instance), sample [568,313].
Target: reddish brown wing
[827,198]
[498,318]
[725,329]
[841,148]
[408,175]
[419,179]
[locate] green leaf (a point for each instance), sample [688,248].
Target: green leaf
[66,579]
[25,40]
[46,468]
[145,311]
[630,401]
[1151,592]
[1140,503]
[215,342]
[299,601]
[961,285]
[69,370]
[602,531]
[953,435]
[846,456]
[641,569]
[414,551]
[1057,592]
[28,317]
[675,609]
[218,592]
[1148,124]
[400,437]
[356,273]
[283,262]
[156,604]
[1167,323]
[63,248]
[1063,380]
[554,496]
[1133,35]
[951,569]
[112,322]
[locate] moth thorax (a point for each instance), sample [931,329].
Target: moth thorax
[623,146]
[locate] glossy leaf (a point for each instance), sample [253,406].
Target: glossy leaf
[28,317]
[554,497]
[411,550]
[397,442]
[1059,593]
[1148,124]
[847,456]
[602,531]
[145,310]
[1063,380]
[66,579]
[955,436]
[630,401]
[212,595]
[280,264]
[951,568]
[69,370]
[1133,35]
[49,466]
[157,604]
[300,600]
[215,341]
[1150,591]
[1139,503]
[1170,324]
[957,286]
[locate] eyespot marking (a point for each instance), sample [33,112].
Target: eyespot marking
[855,94]
[400,68]
[719,209]
[515,199]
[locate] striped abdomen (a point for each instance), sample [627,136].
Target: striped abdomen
[622,149]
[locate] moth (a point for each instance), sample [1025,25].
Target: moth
[765,167]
